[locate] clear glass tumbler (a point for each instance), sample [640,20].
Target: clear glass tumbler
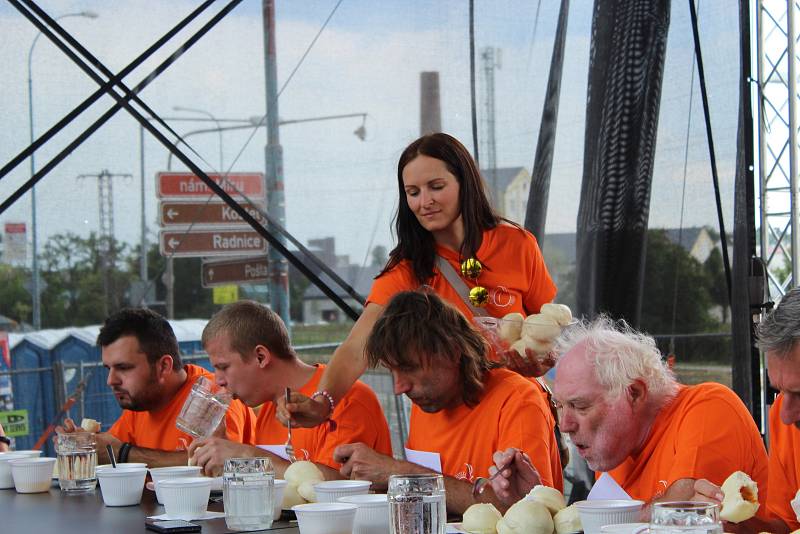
[77,460]
[247,492]
[417,504]
[203,409]
[685,518]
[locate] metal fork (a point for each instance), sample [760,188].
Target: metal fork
[289,448]
[481,482]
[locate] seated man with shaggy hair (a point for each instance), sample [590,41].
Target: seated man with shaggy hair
[629,417]
[464,406]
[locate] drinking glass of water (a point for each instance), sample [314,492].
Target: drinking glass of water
[77,459]
[203,409]
[247,493]
[685,518]
[417,504]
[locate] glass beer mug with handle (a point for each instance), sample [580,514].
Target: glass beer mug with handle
[417,504]
[685,518]
[203,410]
[247,493]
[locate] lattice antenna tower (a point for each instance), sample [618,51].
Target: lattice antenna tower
[491,60]
[776,57]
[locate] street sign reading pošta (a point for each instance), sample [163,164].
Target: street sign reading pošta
[180,213]
[238,271]
[211,242]
[187,185]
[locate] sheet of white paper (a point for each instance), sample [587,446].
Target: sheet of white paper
[431,460]
[606,487]
[279,450]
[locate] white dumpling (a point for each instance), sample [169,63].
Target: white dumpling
[291,497]
[510,328]
[481,519]
[526,517]
[561,313]
[550,497]
[302,471]
[540,326]
[741,498]
[568,520]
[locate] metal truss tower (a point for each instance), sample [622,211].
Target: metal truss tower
[779,236]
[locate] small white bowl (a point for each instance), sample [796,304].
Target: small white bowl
[125,465]
[277,497]
[372,516]
[331,490]
[122,486]
[176,471]
[185,498]
[6,480]
[325,517]
[598,513]
[32,475]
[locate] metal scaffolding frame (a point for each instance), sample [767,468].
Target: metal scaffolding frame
[779,237]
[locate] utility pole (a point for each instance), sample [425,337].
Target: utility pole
[276,205]
[107,245]
[490,57]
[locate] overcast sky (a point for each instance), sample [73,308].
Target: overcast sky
[368,59]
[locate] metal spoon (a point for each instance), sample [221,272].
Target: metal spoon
[110,451]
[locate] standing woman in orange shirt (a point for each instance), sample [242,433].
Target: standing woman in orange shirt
[444,221]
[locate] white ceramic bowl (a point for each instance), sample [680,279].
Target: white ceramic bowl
[372,516]
[122,486]
[6,480]
[331,490]
[597,513]
[325,517]
[125,465]
[185,498]
[32,475]
[176,471]
[277,497]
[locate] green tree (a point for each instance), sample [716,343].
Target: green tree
[718,286]
[15,301]
[379,256]
[689,299]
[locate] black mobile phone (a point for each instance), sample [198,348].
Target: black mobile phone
[171,526]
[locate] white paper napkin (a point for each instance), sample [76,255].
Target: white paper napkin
[188,517]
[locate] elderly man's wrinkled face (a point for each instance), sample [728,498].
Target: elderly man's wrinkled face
[603,429]
[784,374]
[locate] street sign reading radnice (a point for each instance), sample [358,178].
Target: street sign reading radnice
[196,223]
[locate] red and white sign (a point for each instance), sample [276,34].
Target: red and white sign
[174,213]
[220,242]
[4,350]
[187,185]
[15,243]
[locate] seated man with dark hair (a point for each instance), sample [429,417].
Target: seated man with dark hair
[249,347]
[150,383]
[464,406]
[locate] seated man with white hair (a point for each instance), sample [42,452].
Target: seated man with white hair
[628,416]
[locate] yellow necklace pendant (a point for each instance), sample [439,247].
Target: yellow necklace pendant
[471,268]
[479,296]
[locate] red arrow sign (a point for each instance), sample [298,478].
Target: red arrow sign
[204,214]
[188,185]
[241,271]
[211,243]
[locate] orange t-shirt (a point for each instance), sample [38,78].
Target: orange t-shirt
[157,430]
[359,418]
[784,468]
[705,432]
[513,272]
[511,413]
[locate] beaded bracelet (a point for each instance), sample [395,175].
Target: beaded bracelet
[328,396]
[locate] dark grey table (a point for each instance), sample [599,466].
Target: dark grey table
[60,513]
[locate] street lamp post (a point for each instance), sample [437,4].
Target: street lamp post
[219,128]
[37,302]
